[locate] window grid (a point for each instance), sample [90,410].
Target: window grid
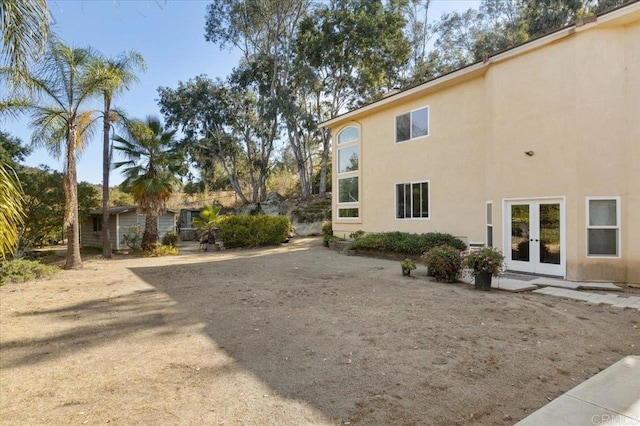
[597,233]
[412,200]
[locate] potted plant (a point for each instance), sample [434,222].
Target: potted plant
[484,264]
[407,267]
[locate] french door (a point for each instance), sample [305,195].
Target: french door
[535,236]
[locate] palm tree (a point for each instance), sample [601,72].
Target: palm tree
[151,170]
[24,25]
[11,216]
[61,85]
[119,74]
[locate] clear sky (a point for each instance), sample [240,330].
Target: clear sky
[169,35]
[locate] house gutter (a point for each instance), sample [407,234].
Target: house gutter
[480,68]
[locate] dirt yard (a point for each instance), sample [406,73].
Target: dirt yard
[289,336]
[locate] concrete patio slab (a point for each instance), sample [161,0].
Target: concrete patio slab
[506,284]
[574,285]
[593,298]
[509,284]
[610,397]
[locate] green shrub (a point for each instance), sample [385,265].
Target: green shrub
[254,231]
[444,263]
[161,250]
[327,233]
[133,238]
[313,210]
[405,243]
[170,239]
[21,270]
[358,234]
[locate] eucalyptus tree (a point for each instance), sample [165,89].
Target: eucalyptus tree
[60,87]
[264,31]
[118,74]
[355,50]
[151,170]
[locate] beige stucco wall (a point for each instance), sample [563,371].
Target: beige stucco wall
[574,101]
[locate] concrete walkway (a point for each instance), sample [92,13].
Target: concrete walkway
[611,397]
[561,288]
[632,302]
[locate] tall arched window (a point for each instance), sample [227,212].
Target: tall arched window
[348,171]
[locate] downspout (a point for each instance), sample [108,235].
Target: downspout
[118,231]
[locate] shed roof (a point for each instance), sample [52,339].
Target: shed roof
[126,209]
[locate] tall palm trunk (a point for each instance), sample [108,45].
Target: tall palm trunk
[150,236]
[70,183]
[106,166]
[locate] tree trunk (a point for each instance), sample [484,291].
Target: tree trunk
[324,162]
[150,236]
[70,183]
[106,166]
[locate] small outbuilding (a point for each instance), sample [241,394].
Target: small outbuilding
[121,221]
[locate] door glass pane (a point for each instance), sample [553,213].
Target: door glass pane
[348,159]
[603,242]
[602,213]
[520,232]
[550,233]
[403,127]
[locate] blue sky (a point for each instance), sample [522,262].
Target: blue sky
[170,37]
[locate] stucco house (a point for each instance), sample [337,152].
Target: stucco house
[121,220]
[535,151]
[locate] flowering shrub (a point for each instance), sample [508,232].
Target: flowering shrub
[444,263]
[485,260]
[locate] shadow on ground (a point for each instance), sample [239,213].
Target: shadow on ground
[360,343]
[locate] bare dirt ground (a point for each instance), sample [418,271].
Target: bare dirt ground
[289,336]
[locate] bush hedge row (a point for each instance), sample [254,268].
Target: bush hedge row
[406,243]
[253,231]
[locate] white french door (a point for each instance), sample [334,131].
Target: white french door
[534,236]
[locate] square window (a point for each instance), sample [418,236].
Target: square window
[603,242]
[412,124]
[412,200]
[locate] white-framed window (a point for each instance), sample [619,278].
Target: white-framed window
[603,226]
[413,124]
[412,200]
[489,222]
[348,173]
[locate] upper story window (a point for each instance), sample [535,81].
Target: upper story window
[349,134]
[413,124]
